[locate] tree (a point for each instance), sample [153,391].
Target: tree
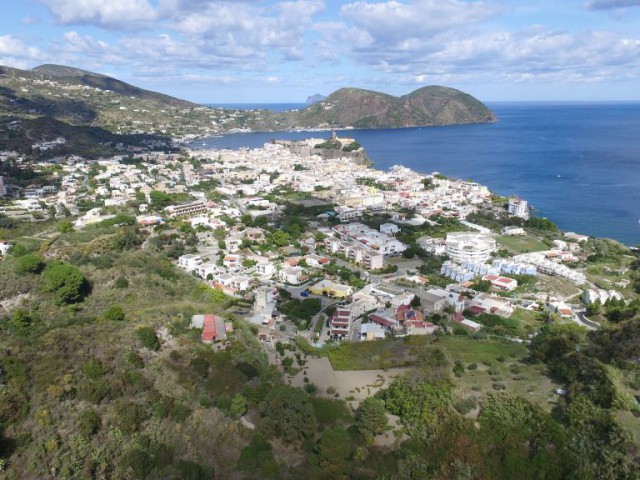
[371,419]
[29,263]
[160,199]
[334,450]
[65,281]
[239,406]
[148,337]
[201,366]
[89,422]
[128,239]
[114,313]
[65,226]
[280,238]
[482,285]
[288,414]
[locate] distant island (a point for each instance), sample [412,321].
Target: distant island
[315,99]
[95,113]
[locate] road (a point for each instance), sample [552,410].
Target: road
[585,322]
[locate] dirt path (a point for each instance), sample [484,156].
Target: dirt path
[356,385]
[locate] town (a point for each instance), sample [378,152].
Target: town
[325,247]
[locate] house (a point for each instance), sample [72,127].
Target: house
[513,230]
[291,275]
[205,269]
[316,261]
[502,283]
[433,300]
[233,243]
[486,303]
[419,327]
[385,322]
[265,269]
[362,303]
[559,308]
[371,331]
[389,228]
[190,261]
[213,327]
[470,324]
[340,323]
[232,262]
[232,284]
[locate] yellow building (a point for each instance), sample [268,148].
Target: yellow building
[330,289]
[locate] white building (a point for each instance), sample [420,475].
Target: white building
[469,247]
[189,261]
[389,228]
[291,275]
[513,230]
[518,208]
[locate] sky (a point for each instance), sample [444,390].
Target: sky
[270,51]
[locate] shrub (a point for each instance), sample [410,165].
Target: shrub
[129,416]
[134,359]
[121,282]
[89,422]
[29,263]
[465,405]
[192,471]
[93,391]
[114,313]
[148,337]
[201,366]
[239,406]
[472,366]
[93,369]
[138,461]
[65,281]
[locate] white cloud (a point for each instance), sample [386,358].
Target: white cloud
[611,4]
[115,14]
[533,55]
[16,53]
[393,22]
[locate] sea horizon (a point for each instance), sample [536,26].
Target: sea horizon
[575,162]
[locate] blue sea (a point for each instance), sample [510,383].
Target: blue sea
[576,163]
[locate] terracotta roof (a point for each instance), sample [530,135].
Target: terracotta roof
[209,329]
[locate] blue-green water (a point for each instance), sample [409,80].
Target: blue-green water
[576,163]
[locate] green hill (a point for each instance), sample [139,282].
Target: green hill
[84,99]
[367,109]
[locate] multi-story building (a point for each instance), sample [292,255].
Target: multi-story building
[192,208]
[518,208]
[469,247]
[340,323]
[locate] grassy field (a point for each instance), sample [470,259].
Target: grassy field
[529,320]
[402,352]
[388,353]
[521,244]
[470,350]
